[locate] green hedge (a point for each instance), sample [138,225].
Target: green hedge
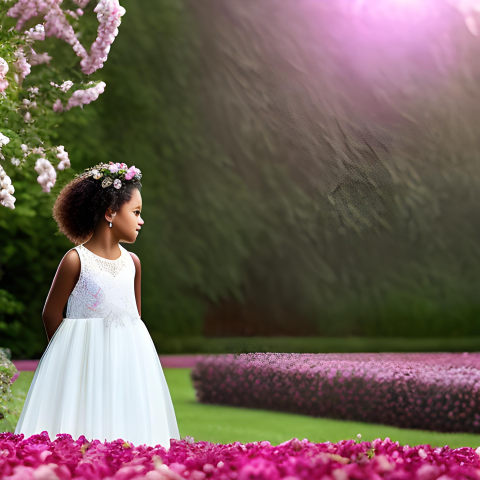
[8,413]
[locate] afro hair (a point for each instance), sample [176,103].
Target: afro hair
[82,203]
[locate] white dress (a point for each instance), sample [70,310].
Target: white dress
[100,375]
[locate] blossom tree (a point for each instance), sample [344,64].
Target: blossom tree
[29,106]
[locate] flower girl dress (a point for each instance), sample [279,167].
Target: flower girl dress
[100,375]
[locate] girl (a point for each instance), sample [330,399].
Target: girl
[100,375]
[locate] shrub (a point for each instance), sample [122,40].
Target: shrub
[8,374]
[435,391]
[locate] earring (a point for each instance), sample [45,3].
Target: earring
[110,225]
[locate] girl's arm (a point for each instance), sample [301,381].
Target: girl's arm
[138,281]
[64,282]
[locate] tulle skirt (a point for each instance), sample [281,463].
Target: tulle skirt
[104,382]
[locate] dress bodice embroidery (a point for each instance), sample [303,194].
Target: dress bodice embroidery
[105,288]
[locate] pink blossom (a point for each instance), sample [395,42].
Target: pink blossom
[47,175]
[21,64]
[7,200]
[113,168]
[3,72]
[72,14]
[24,10]
[66,86]
[3,68]
[4,140]
[56,24]
[83,97]
[36,33]
[38,58]
[62,155]
[6,190]
[81,3]
[132,171]
[108,14]
[58,106]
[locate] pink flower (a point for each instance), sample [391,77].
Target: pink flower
[3,68]
[3,84]
[58,106]
[36,33]
[21,64]
[113,168]
[62,155]
[38,58]
[47,174]
[83,97]
[132,171]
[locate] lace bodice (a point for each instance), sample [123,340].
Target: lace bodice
[105,288]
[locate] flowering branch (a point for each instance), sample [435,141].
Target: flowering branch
[26,114]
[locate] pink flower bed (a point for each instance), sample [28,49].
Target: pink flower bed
[435,391]
[38,458]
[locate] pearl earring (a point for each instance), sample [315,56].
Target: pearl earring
[110,225]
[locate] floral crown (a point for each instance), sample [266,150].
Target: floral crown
[112,173]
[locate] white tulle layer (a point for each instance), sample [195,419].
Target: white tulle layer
[102,382]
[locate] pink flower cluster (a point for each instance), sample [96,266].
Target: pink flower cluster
[36,33]
[83,97]
[47,174]
[62,155]
[63,459]
[38,58]
[108,14]
[21,64]
[3,74]
[56,24]
[437,391]
[131,172]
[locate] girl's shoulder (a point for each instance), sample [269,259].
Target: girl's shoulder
[135,258]
[70,262]
[71,255]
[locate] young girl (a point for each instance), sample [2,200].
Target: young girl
[100,375]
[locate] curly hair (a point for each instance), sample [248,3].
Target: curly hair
[82,204]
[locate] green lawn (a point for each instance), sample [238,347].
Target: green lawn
[219,424]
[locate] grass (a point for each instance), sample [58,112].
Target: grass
[222,424]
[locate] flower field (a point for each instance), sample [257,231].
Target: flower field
[435,391]
[39,458]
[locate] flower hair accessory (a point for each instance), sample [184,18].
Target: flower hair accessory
[115,174]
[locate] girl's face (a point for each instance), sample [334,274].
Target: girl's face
[128,220]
